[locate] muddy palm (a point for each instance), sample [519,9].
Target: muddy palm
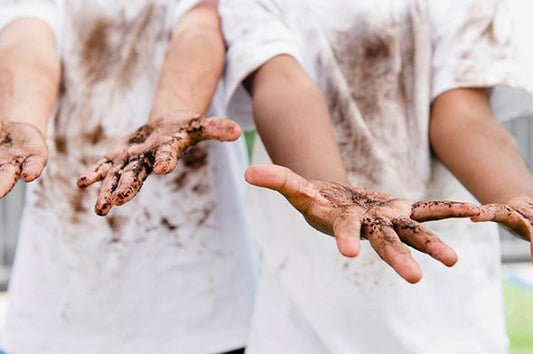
[23,153]
[350,214]
[156,147]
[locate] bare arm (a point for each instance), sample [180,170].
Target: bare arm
[292,118]
[482,154]
[484,157]
[29,72]
[187,82]
[29,80]
[193,64]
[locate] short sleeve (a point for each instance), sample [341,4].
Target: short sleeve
[255,32]
[474,46]
[48,11]
[180,8]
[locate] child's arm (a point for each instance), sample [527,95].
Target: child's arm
[187,82]
[292,118]
[29,81]
[484,157]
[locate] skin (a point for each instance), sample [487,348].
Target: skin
[193,65]
[335,208]
[484,157]
[155,147]
[29,67]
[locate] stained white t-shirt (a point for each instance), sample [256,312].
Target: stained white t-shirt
[173,270]
[380,64]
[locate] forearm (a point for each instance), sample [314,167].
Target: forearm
[479,152]
[193,63]
[292,119]
[29,73]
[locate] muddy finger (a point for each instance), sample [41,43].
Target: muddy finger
[131,180]
[215,128]
[9,174]
[166,156]
[347,232]
[32,167]
[425,241]
[104,202]
[507,217]
[96,173]
[388,246]
[438,210]
[295,188]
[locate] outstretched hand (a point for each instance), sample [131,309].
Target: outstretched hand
[23,153]
[349,214]
[155,146]
[516,216]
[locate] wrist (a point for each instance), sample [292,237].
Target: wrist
[40,127]
[165,105]
[177,115]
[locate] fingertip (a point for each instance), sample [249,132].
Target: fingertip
[28,177]
[81,182]
[449,258]
[253,173]
[161,168]
[102,209]
[445,254]
[410,270]
[235,131]
[347,248]
[413,275]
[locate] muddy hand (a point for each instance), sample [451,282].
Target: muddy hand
[516,215]
[23,153]
[156,147]
[349,213]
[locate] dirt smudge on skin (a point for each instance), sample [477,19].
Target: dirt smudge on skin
[141,134]
[340,196]
[7,140]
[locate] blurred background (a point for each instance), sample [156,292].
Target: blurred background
[518,272]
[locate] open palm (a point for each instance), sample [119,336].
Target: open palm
[23,153]
[156,147]
[349,214]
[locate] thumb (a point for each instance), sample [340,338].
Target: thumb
[294,187]
[221,129]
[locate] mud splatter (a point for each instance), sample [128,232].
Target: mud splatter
[7,140]
[60,143]
[370,91]
[341,196]
[168,225]
[180,181]
[195,157]
[115,223]
[97,53]
[95,136]
[141,134]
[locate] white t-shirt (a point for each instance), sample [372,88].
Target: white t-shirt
[172,271]
[380,64]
